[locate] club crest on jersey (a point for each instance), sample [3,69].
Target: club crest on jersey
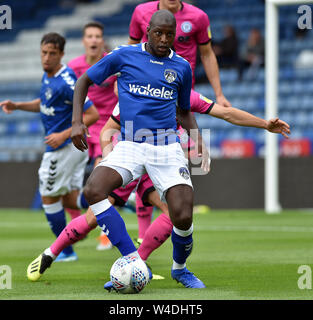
[48,93]
[184,173]
[186,26]
[170,75]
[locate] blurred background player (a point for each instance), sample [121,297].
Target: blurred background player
[101,95]
[62,167]
[192,32]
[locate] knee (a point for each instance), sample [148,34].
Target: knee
[94,193]
[181,216]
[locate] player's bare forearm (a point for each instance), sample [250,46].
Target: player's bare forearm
[91,116]
[80,94]
[106,135]
[246,119]
[237,117]
[210,66]
[188,122]
[79,129]
[31,106]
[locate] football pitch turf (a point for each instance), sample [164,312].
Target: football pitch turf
[237,254]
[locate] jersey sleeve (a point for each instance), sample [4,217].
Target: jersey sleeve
[135,32]
[185,89]
[68,88]
[107,66]
[204,32]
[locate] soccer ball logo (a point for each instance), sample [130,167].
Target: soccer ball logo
[129,274]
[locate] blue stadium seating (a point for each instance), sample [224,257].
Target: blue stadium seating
[24,130]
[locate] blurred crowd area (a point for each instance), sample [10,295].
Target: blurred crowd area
[237,28]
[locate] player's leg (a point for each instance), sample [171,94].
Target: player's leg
[76,212]
[174,184]
[96,154]
[161,227]
[122,165]
[102,181]
[55,215]
[76,230]
[180,202]
[74,202]
[120,197]
[144,209]
[55,176]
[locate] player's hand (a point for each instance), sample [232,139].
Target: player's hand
[8,106]
[78,136]
[223,101]
[204,155]
[54,140]
[278,126]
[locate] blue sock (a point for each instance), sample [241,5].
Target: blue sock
[56,218]
[182,244]
[81,201]
[113,226]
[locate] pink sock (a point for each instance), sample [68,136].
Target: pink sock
[76,230]
[158,232]
[74,213]
[144,215]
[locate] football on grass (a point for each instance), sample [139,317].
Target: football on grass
[129,274]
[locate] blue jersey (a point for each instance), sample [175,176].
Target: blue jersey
[56,102]
[149,89]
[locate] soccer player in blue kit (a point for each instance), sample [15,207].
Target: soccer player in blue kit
[62,167]
[153,79]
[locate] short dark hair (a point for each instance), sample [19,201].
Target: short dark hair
[54,38]
[164,16]
[93,24]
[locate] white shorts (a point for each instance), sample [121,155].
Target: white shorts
[62,171]
[166,165]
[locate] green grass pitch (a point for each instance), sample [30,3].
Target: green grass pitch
[237,254]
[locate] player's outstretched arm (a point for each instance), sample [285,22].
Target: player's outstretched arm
[243,118]
[211,69]
[189,123]
[79,129]
[32,106]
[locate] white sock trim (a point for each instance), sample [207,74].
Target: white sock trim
[100,206]
[53,208]
[48,252]
[135,253]
[78,200]
[178,266]
[183,233]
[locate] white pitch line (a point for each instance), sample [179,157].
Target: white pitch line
[37,225]
[254,228]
